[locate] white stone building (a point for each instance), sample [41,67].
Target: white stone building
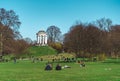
[41,38]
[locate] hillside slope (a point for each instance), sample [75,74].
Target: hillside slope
[41,50]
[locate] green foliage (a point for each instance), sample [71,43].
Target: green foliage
[102,57]
[58,46]
[8,57]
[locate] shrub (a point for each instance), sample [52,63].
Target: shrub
[101,57]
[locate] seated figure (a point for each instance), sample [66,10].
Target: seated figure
[48,67]
[58,67]
[82,64]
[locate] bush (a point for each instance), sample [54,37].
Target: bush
[58,57]
[101,57]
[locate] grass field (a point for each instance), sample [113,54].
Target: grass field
[28,71]
[41,50]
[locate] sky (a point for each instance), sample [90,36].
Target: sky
[38,15]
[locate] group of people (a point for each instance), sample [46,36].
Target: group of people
[82,64]
[49,67]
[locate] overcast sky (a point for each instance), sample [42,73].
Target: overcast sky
[38,15]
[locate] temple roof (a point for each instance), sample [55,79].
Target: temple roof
[41,32]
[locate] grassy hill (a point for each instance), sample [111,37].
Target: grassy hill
[41,50]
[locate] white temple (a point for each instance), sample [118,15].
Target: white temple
[41,38]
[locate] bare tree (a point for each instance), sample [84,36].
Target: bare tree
[5,38]
[83,39]
[28,40]
[73,40]
[115,40]
[104,24]
[9,24]
[9,19]
[53,33]
[20,46]
[92,39]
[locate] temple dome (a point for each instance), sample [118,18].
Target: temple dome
[41,32]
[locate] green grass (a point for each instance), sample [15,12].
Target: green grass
[41,50]
[28,71]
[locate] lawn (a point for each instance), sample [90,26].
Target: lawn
[28,71]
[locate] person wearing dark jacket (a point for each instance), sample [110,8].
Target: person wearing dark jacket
[48,67]
[58,67]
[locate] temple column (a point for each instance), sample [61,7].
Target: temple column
[37,39]
[40,39]
[45,39]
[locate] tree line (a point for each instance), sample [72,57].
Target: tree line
[88,39]
[93,39]
[84,39]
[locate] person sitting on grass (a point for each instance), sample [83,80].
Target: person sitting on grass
[48,67]
[82,64]
[58,67]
